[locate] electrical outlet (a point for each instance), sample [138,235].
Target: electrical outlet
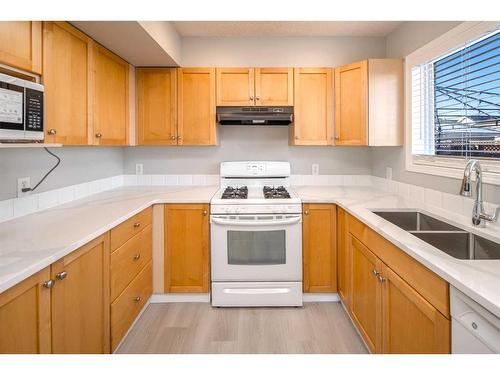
[23,183]
[388,173]
[139,168]
[315,169]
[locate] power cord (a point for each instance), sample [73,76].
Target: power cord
[24,190]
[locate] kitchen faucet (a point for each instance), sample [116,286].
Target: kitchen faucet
[478,214]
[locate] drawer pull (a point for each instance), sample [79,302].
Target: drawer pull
[61,275]
[137,225]
[137,256]
[375,273]
[48,284]
[381,278]
[137,299]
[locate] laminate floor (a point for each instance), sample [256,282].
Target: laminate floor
[199,328]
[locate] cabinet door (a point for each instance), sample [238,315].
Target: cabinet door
[235,86]
[313,107]
[111,100]
[186,248]
[366,294]
[410,323]
[343,257]
[274,86]
[320,248]
[66,75]
[21,45]
[196,106]
[157,106]
[351,104]
[80,300]
[25,316]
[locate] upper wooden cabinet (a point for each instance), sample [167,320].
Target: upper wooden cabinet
[196,106]
[111,98]
[320,248]
[369,103]
[156,106]
[254,86]
[21,45]
[313,107]
[25,316]
[67,70]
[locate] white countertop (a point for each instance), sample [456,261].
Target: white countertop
[31,243]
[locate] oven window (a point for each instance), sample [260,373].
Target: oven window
[256,247]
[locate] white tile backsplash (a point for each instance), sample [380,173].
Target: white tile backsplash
[6,209]
[417,193]
[48,199]
[25,205]
[433,197]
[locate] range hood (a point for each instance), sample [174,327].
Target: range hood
[255,115]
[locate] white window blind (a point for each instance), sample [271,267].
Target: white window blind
[455,102]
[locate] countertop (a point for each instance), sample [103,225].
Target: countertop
[31,243]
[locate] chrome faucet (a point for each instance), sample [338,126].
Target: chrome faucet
[478,215]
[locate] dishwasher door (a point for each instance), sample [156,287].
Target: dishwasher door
[474,330]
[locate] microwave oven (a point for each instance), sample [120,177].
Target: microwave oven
[21,110]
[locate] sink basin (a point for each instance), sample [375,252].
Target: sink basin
[451,240]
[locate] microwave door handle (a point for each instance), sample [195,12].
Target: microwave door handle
[255,223]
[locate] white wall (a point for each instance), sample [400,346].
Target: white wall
[401,42]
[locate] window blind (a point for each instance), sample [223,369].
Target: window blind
[456,102]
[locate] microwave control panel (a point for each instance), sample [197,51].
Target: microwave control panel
[34,110]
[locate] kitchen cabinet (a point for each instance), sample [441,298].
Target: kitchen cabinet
[320,248]
[196,107]
[25,316]
[254,86]
[397,304]
[313,107]
[369,103]
[111,98]
[80,300]
[157,106]
[186,248]
[21,45]
[343,257]
[67,68]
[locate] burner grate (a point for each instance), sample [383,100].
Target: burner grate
[280,192]
[235,192]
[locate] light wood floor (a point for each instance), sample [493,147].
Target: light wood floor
[200,328]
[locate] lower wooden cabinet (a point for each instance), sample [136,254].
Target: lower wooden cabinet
[343,257]
[80,300]
[25,316]
[320,248]
[186,248]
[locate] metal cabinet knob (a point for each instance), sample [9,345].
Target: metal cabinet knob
[137,256]
[51,132]
[98,135]
[306,212]
[137,225]
[48,284]
[173,137]
[205,212]
[375,273]
[251,98]
[296,137]
[137,299]
[257,98]
[381,278]
[179,137]
[61,275]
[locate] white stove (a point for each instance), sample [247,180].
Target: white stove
[256,236]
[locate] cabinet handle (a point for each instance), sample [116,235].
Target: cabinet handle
[381,278]
[137,256]
[51,132]
[296,137]
[375,273]
[257,98]
[137,299]
[179,137]
[61,275]
[173,137]
[48,284]
[337,137]
[98,135]
[251,97]
[137,225]
[306,212]
[205,212]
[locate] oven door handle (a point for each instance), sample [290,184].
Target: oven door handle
[255,223]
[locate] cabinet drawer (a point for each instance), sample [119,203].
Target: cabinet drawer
[126,230]
[126,307]
[129,259]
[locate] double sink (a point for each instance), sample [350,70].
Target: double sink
[453,241]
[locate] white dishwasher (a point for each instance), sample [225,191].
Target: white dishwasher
[474,330]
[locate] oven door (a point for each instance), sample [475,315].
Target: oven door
[256,247]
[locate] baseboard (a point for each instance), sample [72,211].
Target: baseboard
[180,297]
[320,297]
[133,324]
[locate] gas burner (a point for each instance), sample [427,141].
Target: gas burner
[276,192]
[235,193]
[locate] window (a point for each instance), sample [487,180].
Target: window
[453,102]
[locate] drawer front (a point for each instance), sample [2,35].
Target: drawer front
[126,307]
[129,259]
[429,285]
[126,230]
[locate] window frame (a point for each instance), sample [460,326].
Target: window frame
[440,165]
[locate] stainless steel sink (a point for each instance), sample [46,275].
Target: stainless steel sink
[452,240]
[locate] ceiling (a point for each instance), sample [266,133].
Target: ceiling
[284,28]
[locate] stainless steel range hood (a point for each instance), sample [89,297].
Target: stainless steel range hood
[255,115]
